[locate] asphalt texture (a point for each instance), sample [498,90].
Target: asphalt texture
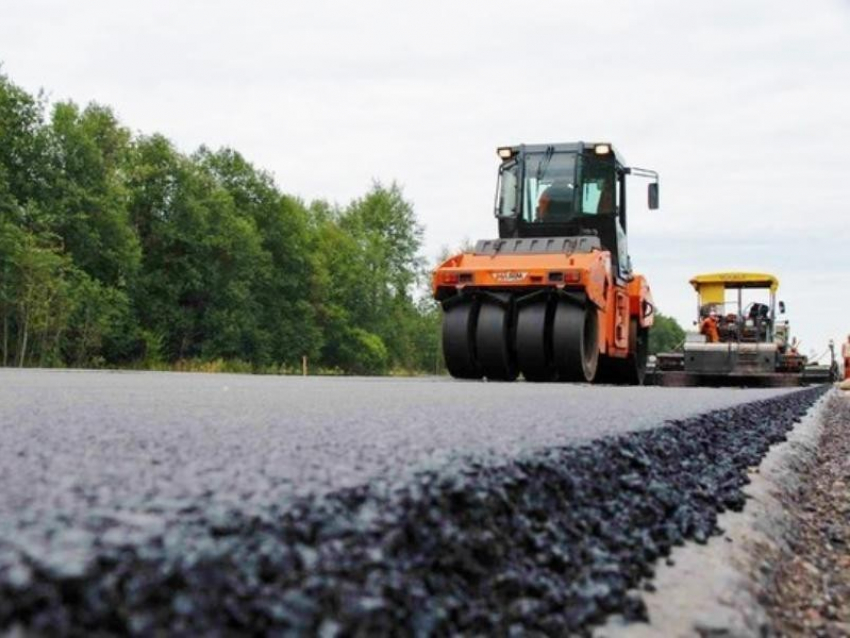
[136,503]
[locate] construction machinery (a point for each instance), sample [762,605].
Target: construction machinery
[554,297]
[741,341]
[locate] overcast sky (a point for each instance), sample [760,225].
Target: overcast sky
[743,106]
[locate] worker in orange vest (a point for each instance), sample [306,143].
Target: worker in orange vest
[845,352]
[708,327]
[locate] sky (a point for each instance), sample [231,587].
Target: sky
[743,106]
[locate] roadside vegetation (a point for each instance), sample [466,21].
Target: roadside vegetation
[117,250]
[666,334]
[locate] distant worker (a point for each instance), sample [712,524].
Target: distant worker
[795,346]
[708,327]
[845,352]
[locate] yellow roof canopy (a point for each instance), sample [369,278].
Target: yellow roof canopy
[735,280]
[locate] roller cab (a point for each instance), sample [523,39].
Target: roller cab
[554,297]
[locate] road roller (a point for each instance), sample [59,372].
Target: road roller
[554,297]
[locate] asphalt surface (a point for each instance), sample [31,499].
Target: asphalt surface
[90,439]
[101,470]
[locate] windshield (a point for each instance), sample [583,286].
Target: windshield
[550,192]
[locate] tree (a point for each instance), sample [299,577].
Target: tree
[283,293]
[88,197]
[387,239]
[117,248]
[339,271]
[25,166]
[99,315]
[385,224]
[36,279]
[170,292]
[666,334]
[10,240]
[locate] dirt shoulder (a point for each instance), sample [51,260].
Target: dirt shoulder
[808,583]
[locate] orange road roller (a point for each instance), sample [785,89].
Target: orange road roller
[555,297]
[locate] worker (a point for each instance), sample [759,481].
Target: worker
[543,205]
[795,346]
[845,352]
[556,200]
[708,327]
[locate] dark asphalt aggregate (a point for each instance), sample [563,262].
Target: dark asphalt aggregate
[213,503]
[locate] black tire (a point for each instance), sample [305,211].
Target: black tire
[632,369]
[459,322]
[575,342]
[493,342]
[637,361]
[534,341]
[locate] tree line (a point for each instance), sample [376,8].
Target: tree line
[119,250]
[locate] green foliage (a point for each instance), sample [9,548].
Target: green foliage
[88,197]
[24,151]
[282,276]
[362,352]
[98,318]
[118,250]
[37,297]
[666,334]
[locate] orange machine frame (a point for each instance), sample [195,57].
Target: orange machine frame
[589,273]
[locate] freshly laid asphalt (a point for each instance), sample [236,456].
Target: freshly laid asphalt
[83,440]
[94,465]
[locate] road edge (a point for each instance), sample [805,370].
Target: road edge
[713,589]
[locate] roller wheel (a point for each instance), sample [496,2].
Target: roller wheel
[575,342]
[632,369]
[534,341]
[493,342]
[637,362]
[459,323]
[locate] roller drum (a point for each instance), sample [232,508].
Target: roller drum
[493,342]
[575,342]
[534,341]
[459,322]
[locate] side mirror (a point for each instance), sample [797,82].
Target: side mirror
[652,196]
[781,307]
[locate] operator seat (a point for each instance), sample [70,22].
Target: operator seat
[759,311]
[760,316]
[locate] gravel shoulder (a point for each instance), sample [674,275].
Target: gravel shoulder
[781,567]
[806,573]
